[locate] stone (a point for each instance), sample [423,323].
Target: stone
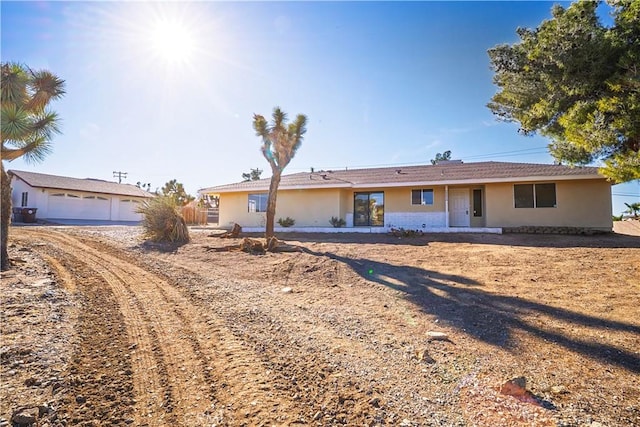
[25,416]
[437,336]
[559,389]
[287,290]
[423,356]
[516,387]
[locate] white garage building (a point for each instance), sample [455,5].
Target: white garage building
[60,197]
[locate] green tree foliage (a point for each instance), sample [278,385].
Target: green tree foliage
[577,82]
[162,222]
[28,127]
[176,192]
[253,175]
[441,156]
[280,141]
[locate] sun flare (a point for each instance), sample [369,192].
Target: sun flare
[172,41]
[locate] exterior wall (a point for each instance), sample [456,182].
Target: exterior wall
[584,203]
[17,188]
[580,203]
[309,208]
[346,206]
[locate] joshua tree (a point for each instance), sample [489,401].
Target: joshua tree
[280,141]
[27,126]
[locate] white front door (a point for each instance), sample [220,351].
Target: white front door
[459,207]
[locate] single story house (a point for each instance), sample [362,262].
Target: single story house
[61,197]
[447,197]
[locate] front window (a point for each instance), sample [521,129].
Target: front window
[258,202]
[534,195]
[422,197]
[25,199]
[368,209]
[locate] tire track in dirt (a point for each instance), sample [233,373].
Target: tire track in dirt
[97,386]
[166,369]
[325,391]
[181,357]
[258,356]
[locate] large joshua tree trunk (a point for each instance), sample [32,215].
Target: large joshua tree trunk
[5,216]
[271,203]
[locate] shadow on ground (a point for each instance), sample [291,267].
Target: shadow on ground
[462,303]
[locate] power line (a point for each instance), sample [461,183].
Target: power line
[119,175]
[510,153]
[525,151]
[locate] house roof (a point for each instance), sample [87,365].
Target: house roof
[446,173]
[90,185]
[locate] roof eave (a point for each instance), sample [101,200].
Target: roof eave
[531,178]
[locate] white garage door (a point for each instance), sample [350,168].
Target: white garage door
[127,211]
[78,206]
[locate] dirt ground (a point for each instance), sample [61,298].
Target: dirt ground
[100,327]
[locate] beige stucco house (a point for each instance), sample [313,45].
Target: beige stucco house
[447,197]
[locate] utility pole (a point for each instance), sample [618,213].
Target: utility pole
[120,175]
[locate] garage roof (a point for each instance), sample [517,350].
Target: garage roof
[89,185]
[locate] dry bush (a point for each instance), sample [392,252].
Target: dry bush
[162,221]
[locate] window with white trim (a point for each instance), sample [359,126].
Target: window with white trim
[258,202]
[534,195]
[422,197]
[25,199]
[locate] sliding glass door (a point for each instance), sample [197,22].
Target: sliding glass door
[368,209]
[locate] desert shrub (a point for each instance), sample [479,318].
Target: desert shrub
[286,222]
[337,222]
[162,222]
[402,232]
[617,218]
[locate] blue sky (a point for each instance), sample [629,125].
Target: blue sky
[382,83]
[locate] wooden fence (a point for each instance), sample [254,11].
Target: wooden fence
[194,215]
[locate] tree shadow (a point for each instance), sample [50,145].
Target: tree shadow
[160,247]
[486,316]
[605,240]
